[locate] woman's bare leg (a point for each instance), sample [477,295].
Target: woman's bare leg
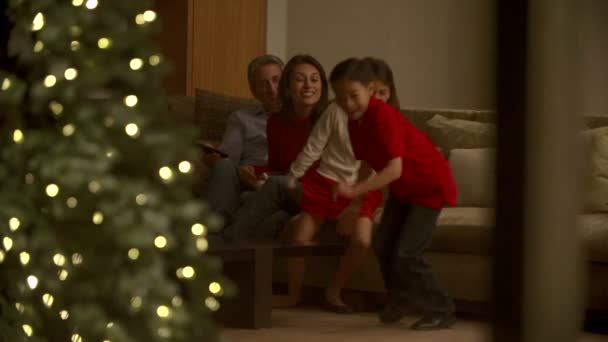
[353,257]
[304,231]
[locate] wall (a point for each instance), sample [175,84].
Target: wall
[441,51]
[276,29]
[594,56]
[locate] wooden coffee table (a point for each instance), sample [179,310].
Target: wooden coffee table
[249,266]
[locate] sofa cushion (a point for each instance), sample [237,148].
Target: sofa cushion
[464,230]
[457,133]
[212,111]
[475,172]
[594,230]
[596,182]
[595,120]
[419,117]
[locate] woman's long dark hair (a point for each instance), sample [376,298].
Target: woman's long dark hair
[287,104]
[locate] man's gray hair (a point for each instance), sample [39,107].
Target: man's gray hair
[258,62]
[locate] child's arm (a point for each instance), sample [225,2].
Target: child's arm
[315,145]
[390,173]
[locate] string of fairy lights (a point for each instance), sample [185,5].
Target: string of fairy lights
[167,173]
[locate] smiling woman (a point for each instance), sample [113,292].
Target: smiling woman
[303,91]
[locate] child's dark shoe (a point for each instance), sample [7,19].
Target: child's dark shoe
[336,308]
[394,312]
[435,321]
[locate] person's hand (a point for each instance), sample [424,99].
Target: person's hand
[291,182]
[344,190]
[248,176]
[211,158]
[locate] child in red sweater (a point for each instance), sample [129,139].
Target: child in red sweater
[420,183]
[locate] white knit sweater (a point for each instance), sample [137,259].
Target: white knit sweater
[330,142]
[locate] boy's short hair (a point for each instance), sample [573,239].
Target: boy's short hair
[353,69]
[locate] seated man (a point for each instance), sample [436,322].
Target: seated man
[244,141]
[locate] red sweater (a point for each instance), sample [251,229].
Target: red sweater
[287,135]
[382,134]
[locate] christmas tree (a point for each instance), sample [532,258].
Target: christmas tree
[101,237]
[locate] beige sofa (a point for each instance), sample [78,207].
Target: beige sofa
[462,245]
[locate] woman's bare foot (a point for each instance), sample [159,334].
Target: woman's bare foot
[284,301]
[333,297]
[334,303]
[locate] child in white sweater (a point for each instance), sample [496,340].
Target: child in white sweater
[329,143]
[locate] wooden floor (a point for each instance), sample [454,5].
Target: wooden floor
[312,324]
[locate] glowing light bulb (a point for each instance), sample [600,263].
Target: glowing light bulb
[165,173]
[140,19]
[97,218]
[70,74]
[38,22]
[177,301]
[188,272]
[75,45]
[56,107]
[198,229]
[133,253]
[185,167]
[104,43]
[131,101]
[163,311]
[64,314]
[77,259]
[28,330]
[71,202]
[94,186]
[38,46]
[14,223]
[62,275]
[20,307]
[52,190]
[91,4]
[50,81]
[136,302]
[149,16]
[59,259]
[136,63]
[32,282]
[160,242]
[154,60]
[212,303]
[132,130]
[202,244]
[215,288]
[6,83]
[76,338]
[18,136]
[68,130]
[2,255]
[77,2]
[24,257]
[48,299]
[141,199]
[7,242]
